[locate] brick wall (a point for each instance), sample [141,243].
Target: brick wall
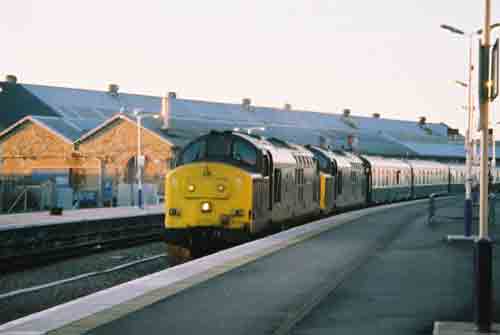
[110,152]
[31,147]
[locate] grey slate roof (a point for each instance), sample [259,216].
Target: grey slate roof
[401,129]
[445,150]
[16,103]
[72,112]
[72,103]
[177,136]
[235,115]
[61,126]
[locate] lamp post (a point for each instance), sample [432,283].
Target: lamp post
[139,114]
[468,136]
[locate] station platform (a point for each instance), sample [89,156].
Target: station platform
[13,221]
[27,237]
[380,270]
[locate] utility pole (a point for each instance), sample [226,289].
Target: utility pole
[483,246]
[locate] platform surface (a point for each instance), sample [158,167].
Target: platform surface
[378,270]
[21,220]
[461,328]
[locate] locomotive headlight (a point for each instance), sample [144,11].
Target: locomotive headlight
[191,188]
[206,207]
[220,188]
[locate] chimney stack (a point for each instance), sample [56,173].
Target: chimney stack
[113,89]
[346,112]
[11,79]
[165,108]
[376,115]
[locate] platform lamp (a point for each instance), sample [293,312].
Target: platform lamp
[468,135]
[140,114]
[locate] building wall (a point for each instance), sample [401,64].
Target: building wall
[32,147]
[96,166]
[114,148]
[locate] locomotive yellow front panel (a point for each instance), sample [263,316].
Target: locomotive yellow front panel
[322,192]
[209,194]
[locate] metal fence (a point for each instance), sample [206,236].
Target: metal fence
[30,193]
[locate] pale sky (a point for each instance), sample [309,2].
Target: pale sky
[387,56]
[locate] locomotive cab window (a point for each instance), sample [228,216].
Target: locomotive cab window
[194,152]
[218,147]
[244,152]
[222,148]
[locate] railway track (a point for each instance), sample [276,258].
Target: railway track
[32,289]
[42,287]
[21,263]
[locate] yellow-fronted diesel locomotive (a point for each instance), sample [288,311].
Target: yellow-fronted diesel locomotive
[229,186]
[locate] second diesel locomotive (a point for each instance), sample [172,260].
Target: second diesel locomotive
[229,186]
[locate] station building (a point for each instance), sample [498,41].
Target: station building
[86,141]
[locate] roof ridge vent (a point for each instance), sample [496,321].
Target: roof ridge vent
[246,103]
[347,119]
[113,89]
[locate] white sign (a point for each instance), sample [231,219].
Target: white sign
[141,160]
